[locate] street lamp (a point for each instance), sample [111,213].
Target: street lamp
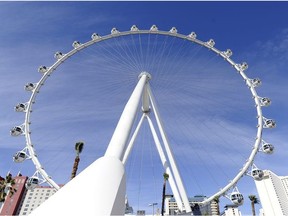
[153,204]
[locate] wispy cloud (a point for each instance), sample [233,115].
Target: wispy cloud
[275,47]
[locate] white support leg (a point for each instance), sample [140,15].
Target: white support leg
[170,154]
[105,194]
[123,128]
[132,140]
[165,165]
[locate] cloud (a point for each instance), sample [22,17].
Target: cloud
[275,47]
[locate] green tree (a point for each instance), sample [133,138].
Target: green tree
[166,177]
[6,187]
[254,200]
[78,148]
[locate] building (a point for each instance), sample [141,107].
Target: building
[171,207]
[12,204]
[35,198]
[24,201]
[128,208]
[273,194]
[140,212]
[231,210]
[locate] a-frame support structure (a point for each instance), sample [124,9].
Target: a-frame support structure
[107,195]
[148,103]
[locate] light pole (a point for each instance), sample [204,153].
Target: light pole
[153,204]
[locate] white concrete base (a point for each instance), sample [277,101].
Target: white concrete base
[99,190]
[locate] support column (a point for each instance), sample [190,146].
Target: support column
[170,154]
[165,165]
[133,138]
[123,128]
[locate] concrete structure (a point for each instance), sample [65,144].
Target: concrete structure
[232,210]
[273,194]
[98,199]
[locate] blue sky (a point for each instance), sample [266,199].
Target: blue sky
[74,105]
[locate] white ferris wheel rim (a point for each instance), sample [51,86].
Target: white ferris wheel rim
[173,33]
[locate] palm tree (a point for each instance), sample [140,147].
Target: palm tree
[254,200]
[6,186]
[165,176]
[78,148]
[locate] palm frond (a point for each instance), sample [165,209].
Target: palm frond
[79,147]
[166,176]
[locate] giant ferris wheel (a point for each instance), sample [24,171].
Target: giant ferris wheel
[195,100]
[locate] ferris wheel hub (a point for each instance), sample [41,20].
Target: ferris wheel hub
[149,77]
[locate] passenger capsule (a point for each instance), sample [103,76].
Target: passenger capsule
[19,156]
[114,31]
[20,107]
[269,123]
[237,198]
[192,35]
[173,30]
[265,101]
[244,66]
[58,55]
[16,131]
[134,28]
[29,87]
[153,28]
[257,174]
[42,69]
[95,36]
[268,148]
[228,53]
[32,182]
[210,43]
[256,82]
[76,44]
